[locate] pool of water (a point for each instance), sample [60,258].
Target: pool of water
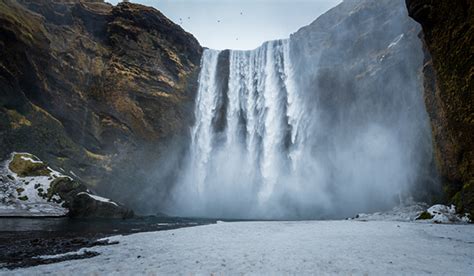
[105,226]
[23,239]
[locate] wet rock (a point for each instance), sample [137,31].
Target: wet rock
[83,204]
[86,206]
[448,36]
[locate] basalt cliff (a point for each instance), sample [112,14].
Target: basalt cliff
[448,35]
[100,92]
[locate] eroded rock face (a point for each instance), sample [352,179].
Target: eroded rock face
[448,33]
[96,89]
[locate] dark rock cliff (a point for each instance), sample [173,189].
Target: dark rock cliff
[448,34]
[99,90]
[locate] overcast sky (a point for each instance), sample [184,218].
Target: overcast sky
[239,24]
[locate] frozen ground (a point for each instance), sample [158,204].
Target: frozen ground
[304,247]
[29,196]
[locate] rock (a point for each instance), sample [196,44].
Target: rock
[24,164]
[50,192]
[424,215]
[66,188]
[82,203]
[445,214]
[448,35]
[97,89]
[85,205]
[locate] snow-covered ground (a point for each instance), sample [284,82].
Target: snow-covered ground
[304,247]
[28,195]
[439,214]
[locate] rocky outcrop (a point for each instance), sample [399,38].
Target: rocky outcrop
[30,188]
[448,34]
[102,91]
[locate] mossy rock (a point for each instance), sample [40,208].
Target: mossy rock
[22,165]
[464,199]
[23,198]
[84,206]
[66,188]
[424,215]
[20,190]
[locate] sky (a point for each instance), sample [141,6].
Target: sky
[239,24]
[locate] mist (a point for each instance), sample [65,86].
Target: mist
[326,124]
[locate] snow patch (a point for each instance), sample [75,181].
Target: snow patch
[99,198]
[440,213]
[400,213]
[59,256]
[396,41]
[446,214]
[30,159]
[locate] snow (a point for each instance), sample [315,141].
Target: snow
[440,213]
[445,214]
[29,159]
[34,188]
[302,247]
[399,213]
[396,41]
[99,198]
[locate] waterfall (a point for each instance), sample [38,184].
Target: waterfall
[259,148]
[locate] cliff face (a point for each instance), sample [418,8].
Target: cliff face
[361,63]
[448,34]
[98,90]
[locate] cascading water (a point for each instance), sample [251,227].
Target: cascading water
[260,150]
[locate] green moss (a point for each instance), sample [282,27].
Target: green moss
[424,215]
[31,29]
[23,167]
[23,198]
[457,200]
[20,190]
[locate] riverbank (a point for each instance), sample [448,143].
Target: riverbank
[23,240]
[300,247]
